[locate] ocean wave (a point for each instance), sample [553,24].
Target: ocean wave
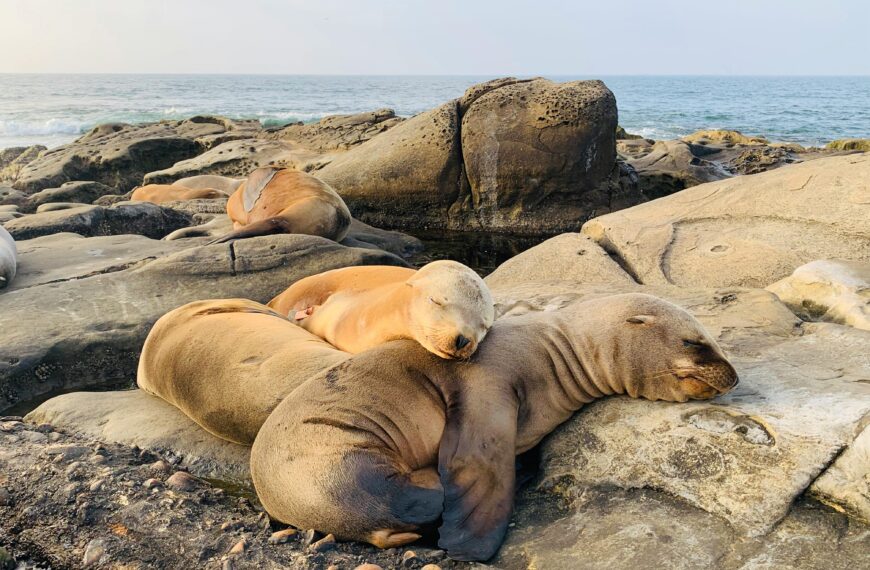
[11,128]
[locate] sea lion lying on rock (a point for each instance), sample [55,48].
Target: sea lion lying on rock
[274,201]
[8,258]
[225,184]
[445,306]
[386,443]
[162,193]
[227,363]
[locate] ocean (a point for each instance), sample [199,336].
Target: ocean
[55,109]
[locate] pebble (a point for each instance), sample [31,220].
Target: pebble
[33,436]
[431,567]
[324,544]
[182,481]
[409,558]
[74,470]
[368,566]
[231,525]
[160,466]
[96,485]
[5,497]
[94,551]
[66,452]
[152,483]
[97,459]
[239,547]
[282,536]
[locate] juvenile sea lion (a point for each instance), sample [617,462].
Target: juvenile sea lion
[225,184]
[227,363]
[275,201]
[445,306]
[438,439]
[161,193]
[8,258]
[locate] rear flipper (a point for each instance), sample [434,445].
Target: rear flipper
[266,227]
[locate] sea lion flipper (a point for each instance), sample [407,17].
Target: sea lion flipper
[255,184]
[265,227]
[476,463]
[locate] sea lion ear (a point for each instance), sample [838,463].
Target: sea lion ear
[641,320]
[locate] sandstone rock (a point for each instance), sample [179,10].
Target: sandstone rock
[622,135]
[338,132]
[12,160]
[235,159]
[55,206]
[830,290]
[568,257]
[94,328]
[142,218]
[845,485]
[9,216]
[83,192]
[862,145]
[11,196]
[634,148]
[671,166]
[723,137]
[748,231]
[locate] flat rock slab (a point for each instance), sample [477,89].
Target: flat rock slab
[68,256]
[88,332]
[748,230]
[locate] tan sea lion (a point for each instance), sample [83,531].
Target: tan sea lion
[445,306]
[225,184]
[8,258]
[227,363]
[162,193]
[275,201]
[438,439]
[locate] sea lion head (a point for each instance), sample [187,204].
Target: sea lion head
[661,352]
[451,309]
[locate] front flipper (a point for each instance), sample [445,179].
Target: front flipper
[262,228]
[476,463]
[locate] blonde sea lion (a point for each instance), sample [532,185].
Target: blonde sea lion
[227,363]
[445,306]
[225,184]
[8,258]
[438,439]
[162,193]
[274,201]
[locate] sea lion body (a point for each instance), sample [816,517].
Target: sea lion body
[227,363]
[275,200]
[438,439]
[445,306]
[224,184]
[8,258]
[162,193]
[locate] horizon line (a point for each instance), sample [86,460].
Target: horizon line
[560,74]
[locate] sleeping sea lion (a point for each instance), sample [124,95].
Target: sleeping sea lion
[445,306]
[227,363]
[162,193]
[225,184]
[437,439]
[277,201]
[8,258]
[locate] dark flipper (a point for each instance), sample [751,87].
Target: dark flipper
[262,228]
[477,467]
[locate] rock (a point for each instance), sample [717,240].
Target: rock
[94,552]
[368,566]
[182,481]
[747,231]
[724,137]
[106,317]
[11,196]
[152,483]
[12,160]
[621,135]
[282,536]
[410,559]
[568,257]
[83,192]
[5,497]
[671,166]
[364,235]
[844,485]
[141,218]
[338,132]
[235,159]
[66,256]
[430,567]
[56,206]
[830,290]
[239,547]
[634,148]
[862,145]
[324,544]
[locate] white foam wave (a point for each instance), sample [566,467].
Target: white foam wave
[12,128]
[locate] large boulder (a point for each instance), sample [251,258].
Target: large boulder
[142,218]
[82,192]
[119,155]
[747,230]
[87,331]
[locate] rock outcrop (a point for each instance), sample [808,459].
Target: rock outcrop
[862,145]
[12,160]
[747,231]
[82,192]
[338,132]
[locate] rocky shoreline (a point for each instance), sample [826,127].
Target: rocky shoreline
[767,244]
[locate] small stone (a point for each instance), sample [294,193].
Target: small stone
[152,483]
[231,525]
[6,560]
[160,466]
[74,470]
[263,521]
[94,551]
[66,452]
[54,437]
[409,558]
[332,567]
[5,497]
[97,459]
[282,536]
[97,485]
[45,428]
[239,547]
[368,566]
[435,555]
[431,567]
[324,544]
[182,481]
[309,536]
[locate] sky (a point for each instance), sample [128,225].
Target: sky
[438,37]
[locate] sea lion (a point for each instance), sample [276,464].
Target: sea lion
[438,439]
[162,193]
[225,184]
[227,363]
[445,306]
[275,201]
[8,258]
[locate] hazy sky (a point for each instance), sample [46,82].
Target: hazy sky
[487,37]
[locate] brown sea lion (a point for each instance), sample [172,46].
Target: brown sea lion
[386,443]
[445,306]
[227,363]
[162,193]
[276,201]
[225,184]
